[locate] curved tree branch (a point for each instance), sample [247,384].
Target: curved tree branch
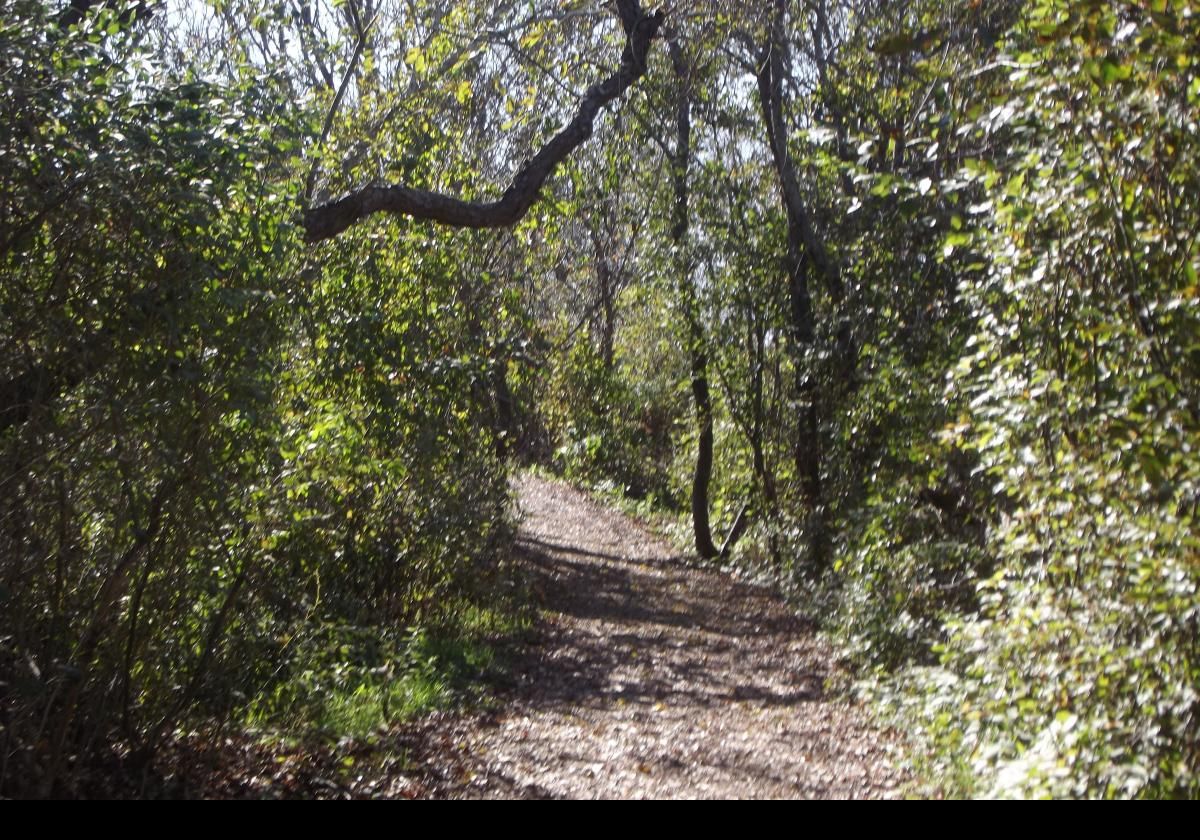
[330,219]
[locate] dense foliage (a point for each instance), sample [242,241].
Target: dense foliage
[1079,674]
[233,476]
[893,302]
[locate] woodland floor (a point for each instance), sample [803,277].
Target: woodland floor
[651,678]
[644,677]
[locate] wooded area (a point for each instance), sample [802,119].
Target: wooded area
[894,303]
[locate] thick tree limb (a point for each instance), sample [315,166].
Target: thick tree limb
[328,220]
[76,10]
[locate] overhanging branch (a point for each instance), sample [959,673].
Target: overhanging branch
[330,219]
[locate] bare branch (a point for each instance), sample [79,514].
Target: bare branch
[361,44]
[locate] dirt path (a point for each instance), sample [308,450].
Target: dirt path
[651,679]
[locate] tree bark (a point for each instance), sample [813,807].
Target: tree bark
[76,10]
[698,356]
[606,292]
[801,233]
[330,219]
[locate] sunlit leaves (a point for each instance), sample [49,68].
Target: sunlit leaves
[415,58]
[1080,671]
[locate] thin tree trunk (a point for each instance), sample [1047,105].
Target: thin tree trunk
[680,162]
[756,340]
[101,623]
[606,310]
[805,253]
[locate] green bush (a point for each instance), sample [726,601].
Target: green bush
[215,453]
[607,428]
[1079,674]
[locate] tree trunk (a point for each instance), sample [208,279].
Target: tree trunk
[805,253]
[680,162]
[606,308]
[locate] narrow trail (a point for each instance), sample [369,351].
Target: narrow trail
[648,678]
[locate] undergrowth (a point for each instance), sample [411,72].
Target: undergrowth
[357,682]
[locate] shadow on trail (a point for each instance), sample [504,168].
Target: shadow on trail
[656,616]
[650,591]
[545,548]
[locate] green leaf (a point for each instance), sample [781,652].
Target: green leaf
[1111,72]
[415,58]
